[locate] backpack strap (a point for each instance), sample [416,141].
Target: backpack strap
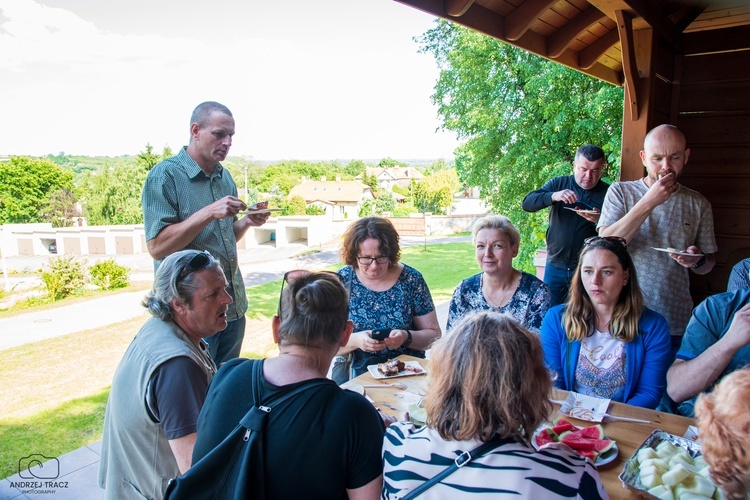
[254,418]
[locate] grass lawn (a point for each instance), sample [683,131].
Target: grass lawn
[55,391]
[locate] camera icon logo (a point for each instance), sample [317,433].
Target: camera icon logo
[37,466]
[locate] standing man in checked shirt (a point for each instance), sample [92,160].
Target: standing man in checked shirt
[190,201]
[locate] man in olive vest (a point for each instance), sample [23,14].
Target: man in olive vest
[160,384]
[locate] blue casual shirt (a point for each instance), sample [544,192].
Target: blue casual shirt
[710,321]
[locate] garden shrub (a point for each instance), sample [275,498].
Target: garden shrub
[65,277]
[108,275]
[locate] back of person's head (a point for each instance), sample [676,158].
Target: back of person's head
[724,422]
[487,377]
[203,111]
[370,227]
[590,152]
[499,222]
[313,311]
[175,280]
[579,311]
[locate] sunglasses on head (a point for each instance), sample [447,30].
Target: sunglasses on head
[198,262]
[292,276]
[611,239]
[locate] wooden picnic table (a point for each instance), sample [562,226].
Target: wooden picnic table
[628,435]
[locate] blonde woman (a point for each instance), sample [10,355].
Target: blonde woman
[499,287]
[487,383]
[604,342]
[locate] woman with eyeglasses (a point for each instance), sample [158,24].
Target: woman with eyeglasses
[383,294]
[499,287]
[323,442]
[604,342]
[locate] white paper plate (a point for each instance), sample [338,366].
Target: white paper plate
[585,407]
[580,211]
[262,211]
[677,252]
[373,369]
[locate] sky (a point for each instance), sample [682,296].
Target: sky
[305,79]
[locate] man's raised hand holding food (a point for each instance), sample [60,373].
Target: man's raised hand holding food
[658,212]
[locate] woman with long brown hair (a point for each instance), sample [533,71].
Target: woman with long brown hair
[604,342]
[487,384]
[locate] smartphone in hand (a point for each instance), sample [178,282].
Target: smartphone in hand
[380,334]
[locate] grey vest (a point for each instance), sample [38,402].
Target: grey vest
[136,460]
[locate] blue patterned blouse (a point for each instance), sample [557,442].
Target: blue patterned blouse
[394,308]
[528,305]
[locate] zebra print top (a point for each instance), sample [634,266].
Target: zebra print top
[413,454]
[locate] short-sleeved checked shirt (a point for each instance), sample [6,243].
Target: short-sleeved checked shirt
[175,189]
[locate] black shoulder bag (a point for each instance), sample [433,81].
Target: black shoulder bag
[461,460]
[236,467]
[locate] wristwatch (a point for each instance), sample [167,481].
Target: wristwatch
[408,339]
[699,263]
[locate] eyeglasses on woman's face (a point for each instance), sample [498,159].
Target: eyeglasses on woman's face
[611,239]
[291,276]
[367,261]
[198,262]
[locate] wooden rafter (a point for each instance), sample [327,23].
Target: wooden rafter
[455,8]
[520,20]
[661,25]
[557,43]
[588,56]
[629,65]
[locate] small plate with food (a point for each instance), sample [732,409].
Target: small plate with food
[588,442]
[253,211]
[396,368]
[677,251]
[582,211]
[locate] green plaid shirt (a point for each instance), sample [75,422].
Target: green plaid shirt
[175,189]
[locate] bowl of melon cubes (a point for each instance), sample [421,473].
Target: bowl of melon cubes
[669,467]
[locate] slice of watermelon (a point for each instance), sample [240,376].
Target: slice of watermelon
[593,432]
[559,421]
[562,427]
[579,443]
[591,455]
[545,436]
[604,445]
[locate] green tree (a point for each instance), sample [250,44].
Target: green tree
[25,188]
[147,159]
[61,208]
[166,153]
[296,206]
[434,193]
[113,195]
[522,118]
[390,162]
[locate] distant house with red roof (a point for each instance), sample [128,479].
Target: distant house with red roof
[340,199]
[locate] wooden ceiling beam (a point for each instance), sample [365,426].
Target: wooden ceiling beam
[456,8]
[588,56]
[661,25]
[520,20]
[557,43]
[629,64]
[686,15]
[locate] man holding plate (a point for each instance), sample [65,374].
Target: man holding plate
[574,203]
[190,201]
[658,212]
